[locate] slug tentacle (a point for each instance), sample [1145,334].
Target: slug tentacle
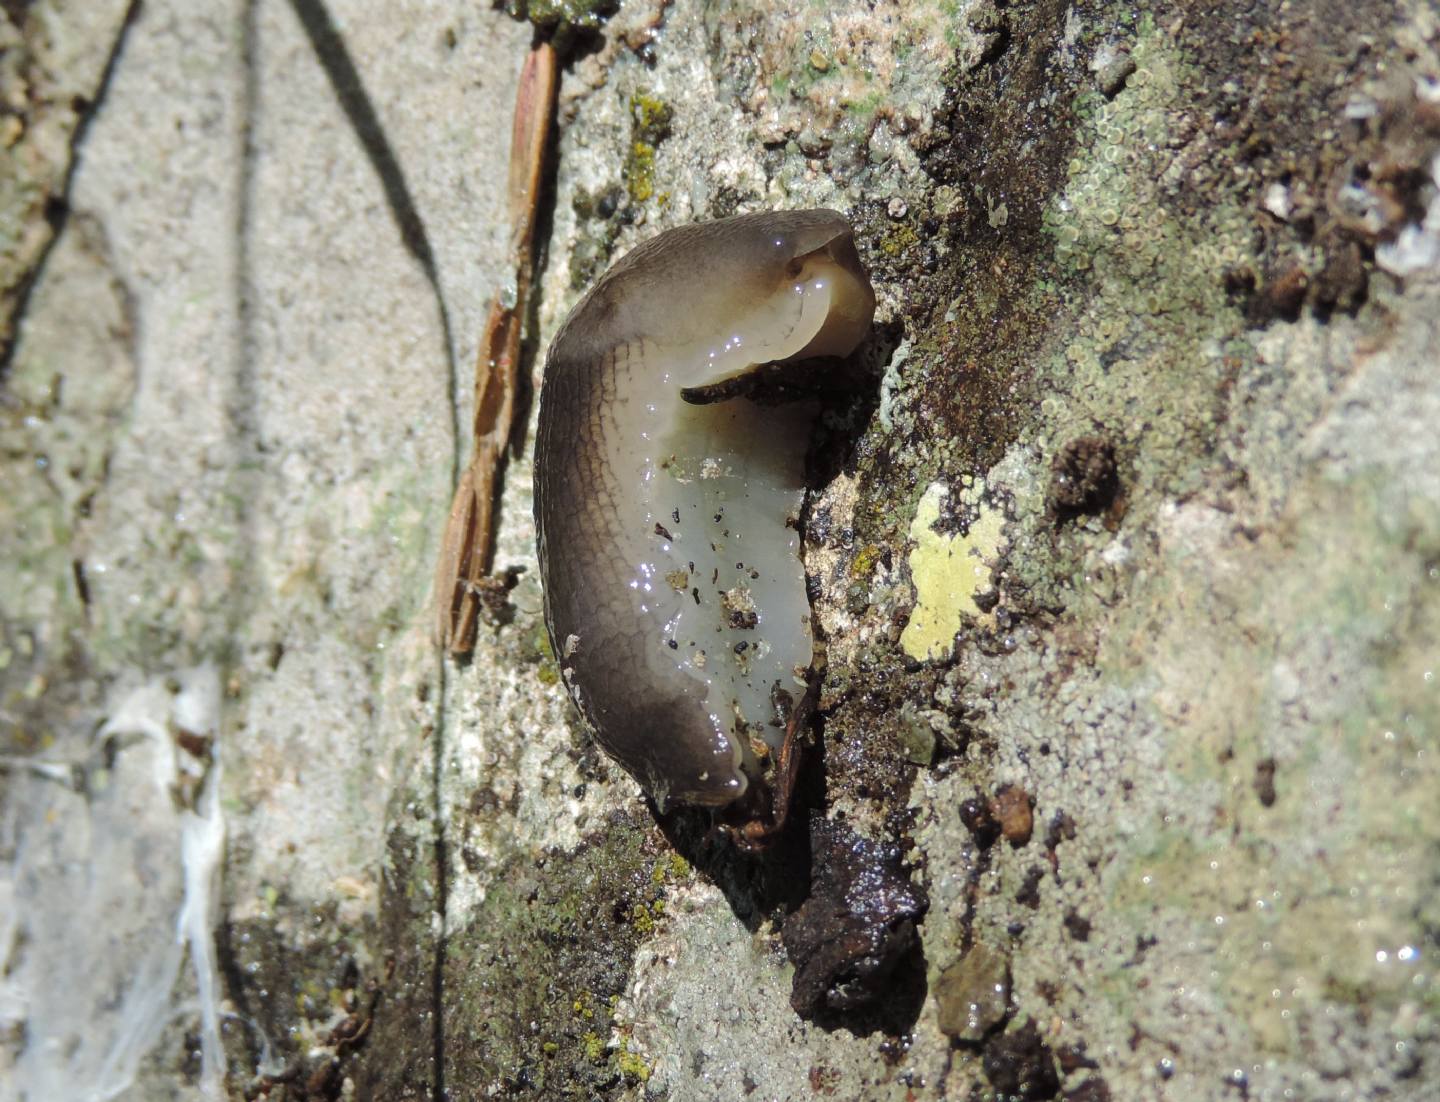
[674,593]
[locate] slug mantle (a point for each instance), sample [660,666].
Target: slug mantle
[666,501]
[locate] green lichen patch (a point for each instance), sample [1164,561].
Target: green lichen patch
[650,119]
[563,14]
[302,977]
[651,116]
[1149,353]
[527,988]
[1328,926]
[533,978]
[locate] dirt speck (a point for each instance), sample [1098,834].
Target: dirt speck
[1265,782]
[1093,1089]
[1012,808]
[1078,926]
[1029,893]
[980,821]
[1084,478]
[1020,1066]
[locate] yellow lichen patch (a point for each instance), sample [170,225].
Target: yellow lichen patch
[948,571]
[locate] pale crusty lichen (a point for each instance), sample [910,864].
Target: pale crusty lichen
[949,570]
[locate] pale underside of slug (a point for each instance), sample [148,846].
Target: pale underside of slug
[669,551]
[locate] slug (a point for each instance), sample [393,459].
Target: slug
[667,502]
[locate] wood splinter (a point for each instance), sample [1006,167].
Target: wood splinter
[462,574]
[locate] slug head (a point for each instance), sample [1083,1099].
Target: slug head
[726,296]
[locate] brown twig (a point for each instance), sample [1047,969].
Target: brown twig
[462,573]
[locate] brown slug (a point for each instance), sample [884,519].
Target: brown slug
[667,509]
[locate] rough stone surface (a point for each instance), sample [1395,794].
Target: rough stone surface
[972,996]
[55,59]
[1153,376]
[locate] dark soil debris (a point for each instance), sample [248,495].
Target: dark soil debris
[1084,478]
[996,152]
[1265,782]
[1029,893]
[1061,829]
[1093,1089]
[1078,926]
[846,939]
[1341,154]
[1020,1066]
[980,821]
[1073,1058]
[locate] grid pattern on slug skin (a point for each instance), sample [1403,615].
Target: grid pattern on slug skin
[657,727]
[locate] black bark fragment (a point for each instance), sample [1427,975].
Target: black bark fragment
[846,939]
